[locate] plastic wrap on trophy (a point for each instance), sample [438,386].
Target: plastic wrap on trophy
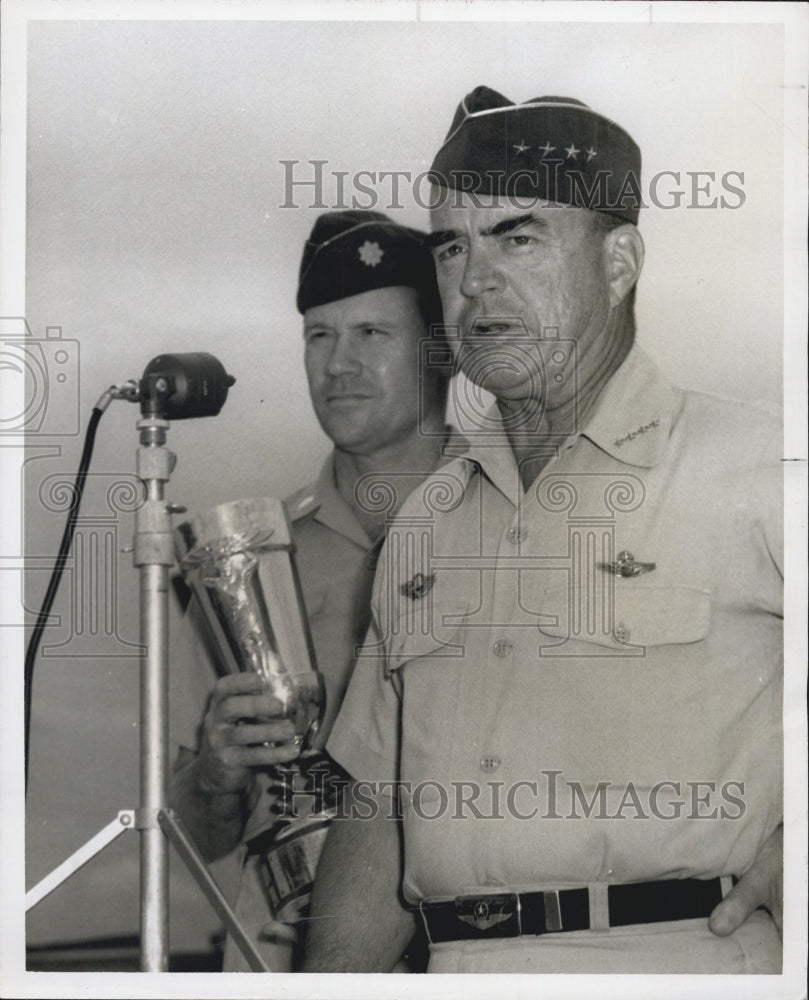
[239,560]
[288,853]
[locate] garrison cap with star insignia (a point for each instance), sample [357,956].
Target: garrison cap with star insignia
[553,148]
[357,251]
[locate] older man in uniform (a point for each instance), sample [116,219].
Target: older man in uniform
[368,297]
[575,663]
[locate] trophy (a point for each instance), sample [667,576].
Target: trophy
[238,559]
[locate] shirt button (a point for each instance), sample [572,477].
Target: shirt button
[489,764]
[502,648]
[514,535]
[621,632]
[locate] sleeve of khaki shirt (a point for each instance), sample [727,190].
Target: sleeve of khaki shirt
[365,737]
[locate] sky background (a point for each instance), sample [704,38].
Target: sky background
[154,224]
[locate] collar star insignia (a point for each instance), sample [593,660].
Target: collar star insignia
[547,149]
[571,151]
[416,588]
[370,253]
[522,148]
[591,153]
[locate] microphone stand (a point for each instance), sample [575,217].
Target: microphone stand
[154,556]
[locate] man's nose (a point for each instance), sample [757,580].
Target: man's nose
[480,274]
[344,357]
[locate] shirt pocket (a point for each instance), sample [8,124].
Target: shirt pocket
[426,629]
[628,614]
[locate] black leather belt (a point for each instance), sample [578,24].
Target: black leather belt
[510,914]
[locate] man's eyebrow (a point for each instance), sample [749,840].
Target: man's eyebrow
[442,236]
[372,319]
[498,229]
[509,225]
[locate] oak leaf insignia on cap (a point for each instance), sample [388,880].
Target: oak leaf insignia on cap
[357,251]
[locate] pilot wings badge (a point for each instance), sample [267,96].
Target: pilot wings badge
[625,565]
[416,588]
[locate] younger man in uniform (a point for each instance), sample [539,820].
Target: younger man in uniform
[368,298]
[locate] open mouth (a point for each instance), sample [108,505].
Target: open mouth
[497,326]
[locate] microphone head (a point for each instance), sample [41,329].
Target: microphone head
[179,386]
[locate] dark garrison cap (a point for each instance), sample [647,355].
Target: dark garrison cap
[554,148]
[351,252]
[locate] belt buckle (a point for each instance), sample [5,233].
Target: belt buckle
[495,915]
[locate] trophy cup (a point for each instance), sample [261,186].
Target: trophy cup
[238,559]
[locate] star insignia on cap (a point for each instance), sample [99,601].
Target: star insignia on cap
[571,151]
[522,148]
[547,149]
[371,253]
[591,153]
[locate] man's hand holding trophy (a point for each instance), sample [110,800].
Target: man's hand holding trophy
[239,561]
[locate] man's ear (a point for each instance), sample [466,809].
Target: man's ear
[624,251]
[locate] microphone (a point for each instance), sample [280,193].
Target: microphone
[179,386]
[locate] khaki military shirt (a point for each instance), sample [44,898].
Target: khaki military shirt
[581,683]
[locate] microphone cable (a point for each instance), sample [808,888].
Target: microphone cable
[173,386]
[59,565]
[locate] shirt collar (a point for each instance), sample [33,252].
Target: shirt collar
[631,422]
[632,418]
[489,448]
[329,507]
[324,499]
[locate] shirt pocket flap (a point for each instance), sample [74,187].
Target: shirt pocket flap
[425,629]
[639,615]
